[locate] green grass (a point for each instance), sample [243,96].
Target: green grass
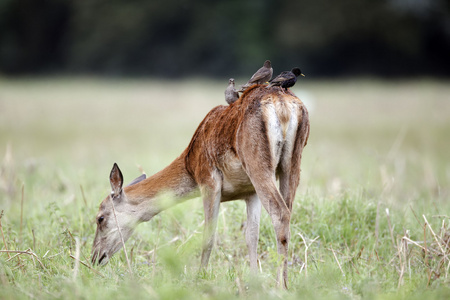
[373,146]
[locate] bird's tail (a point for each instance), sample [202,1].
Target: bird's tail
[243,88]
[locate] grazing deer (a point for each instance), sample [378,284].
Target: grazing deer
[237,152]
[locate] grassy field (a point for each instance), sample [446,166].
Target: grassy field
[370,220]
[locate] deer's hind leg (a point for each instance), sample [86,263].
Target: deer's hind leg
[280,215]
[262,175]
[289,165]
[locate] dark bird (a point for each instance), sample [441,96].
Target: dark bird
[286,79]
[261,76]
[231,95]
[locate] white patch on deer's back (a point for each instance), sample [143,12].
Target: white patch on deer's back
[274,130]
[291,132]
[283,110]
[281,116]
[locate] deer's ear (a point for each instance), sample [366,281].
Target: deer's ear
[139,179]
[116,180]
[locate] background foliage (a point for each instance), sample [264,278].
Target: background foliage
[225,38]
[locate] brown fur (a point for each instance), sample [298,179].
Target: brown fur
[237,152]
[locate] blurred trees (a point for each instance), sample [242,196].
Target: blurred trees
[220,38]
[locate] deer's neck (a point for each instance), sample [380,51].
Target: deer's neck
[148,195]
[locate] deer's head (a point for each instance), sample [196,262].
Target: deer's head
[114,212]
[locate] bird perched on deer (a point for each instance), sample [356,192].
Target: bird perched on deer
[286,79]
[231,95]
[261,76]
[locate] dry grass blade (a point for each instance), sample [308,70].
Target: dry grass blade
[177,238]
[83,195]
[441,216]
[439,241]
[445,236]
[414,243]
[14,256]
[191,235]
[88,266]
[401,262]
[426,252]
[141,169]
[377,223]
[306,255]
[391,230]
[446,270]
[415,215]
[34,239]
[3,236]
[73,239]
[434,235]
[29,252]
[335,257]
[387,187]
[305,264]
[121,237]
[21,211]
[77,259]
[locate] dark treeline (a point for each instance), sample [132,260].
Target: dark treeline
[221,38]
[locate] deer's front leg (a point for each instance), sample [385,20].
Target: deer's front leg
[252,230]
[211,194]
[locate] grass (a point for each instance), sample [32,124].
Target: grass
[376,166]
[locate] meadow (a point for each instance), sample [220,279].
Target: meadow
[370,220]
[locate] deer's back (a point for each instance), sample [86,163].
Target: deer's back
[261,116]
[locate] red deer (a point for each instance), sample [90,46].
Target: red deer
[237,152]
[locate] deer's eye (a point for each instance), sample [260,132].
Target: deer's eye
[100,219]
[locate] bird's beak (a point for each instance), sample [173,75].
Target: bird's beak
[302,74]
